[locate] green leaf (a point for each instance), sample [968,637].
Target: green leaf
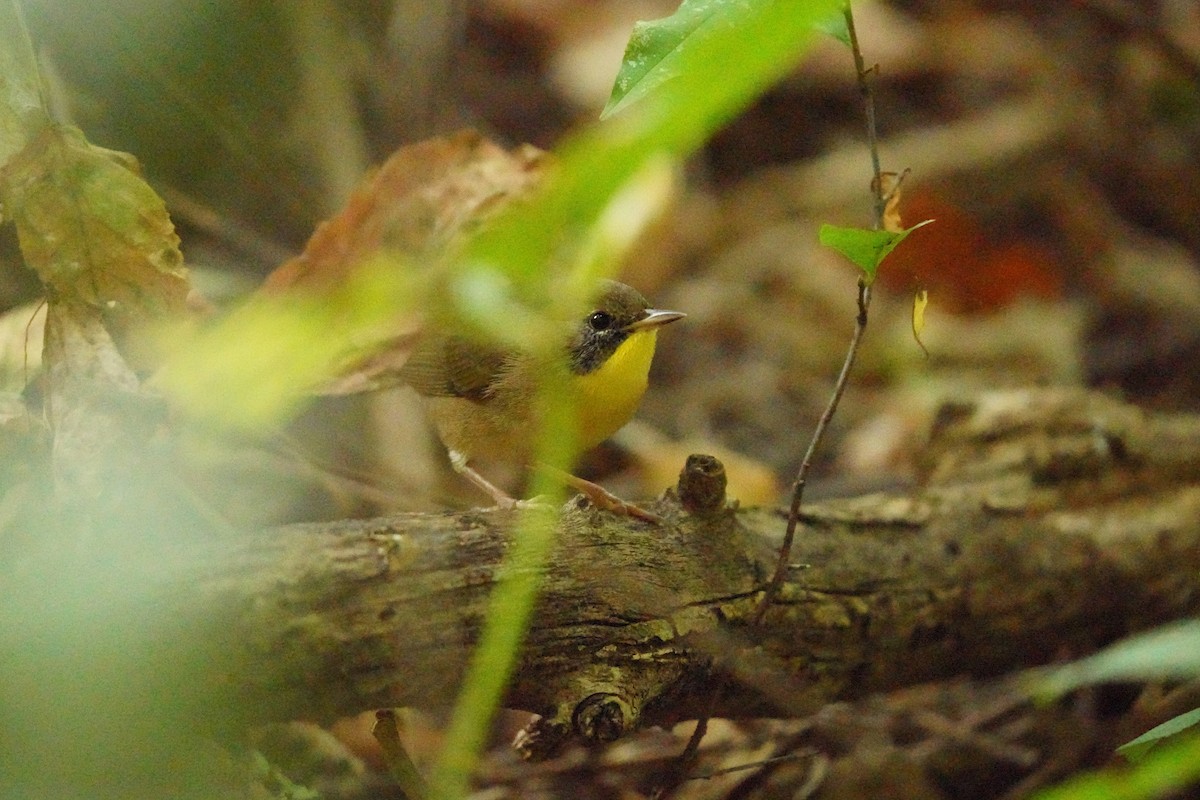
[283,787]
[656,50]
[866,248]
[1171,652]
[652,54]
[1160,774]
[836,27]
[1137,749]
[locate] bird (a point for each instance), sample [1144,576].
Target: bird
[483,398]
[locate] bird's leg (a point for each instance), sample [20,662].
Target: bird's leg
[597,494]
[602,498]
[500,497]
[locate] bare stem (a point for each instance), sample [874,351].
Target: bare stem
[683,763]
[860,326]
[868,95]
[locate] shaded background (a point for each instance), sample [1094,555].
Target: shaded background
[1056,146]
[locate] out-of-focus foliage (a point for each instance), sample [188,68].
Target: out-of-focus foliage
[1136,749]
[1158,775]
[1171,652]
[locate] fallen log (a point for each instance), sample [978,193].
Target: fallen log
[1048,523]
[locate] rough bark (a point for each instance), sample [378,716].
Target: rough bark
[1048,523]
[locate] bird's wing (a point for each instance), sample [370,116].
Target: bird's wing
[451,366]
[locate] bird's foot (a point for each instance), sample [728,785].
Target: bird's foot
[605,500]
[540,503]
[599,496]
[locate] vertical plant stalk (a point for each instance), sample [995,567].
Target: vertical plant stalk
[400,765]
[511,605]
[860,326]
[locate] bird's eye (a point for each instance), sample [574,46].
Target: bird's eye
[600,320]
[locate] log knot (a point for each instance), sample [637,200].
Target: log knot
[701,485]
[602,717]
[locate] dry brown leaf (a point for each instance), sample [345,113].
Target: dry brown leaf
[92,402]
[920,301]
[416,204]
[413,209]
[890,183]
[95,233]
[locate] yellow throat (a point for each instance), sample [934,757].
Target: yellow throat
[607,396]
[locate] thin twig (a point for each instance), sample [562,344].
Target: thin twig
[763,762]
[386,731]
[683,762]
[795,743]
[817,772]
[241,237]
[860,325]
[864,88]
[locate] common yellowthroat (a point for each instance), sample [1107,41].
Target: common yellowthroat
[482,399]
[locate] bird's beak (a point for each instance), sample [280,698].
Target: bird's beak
[655,318]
